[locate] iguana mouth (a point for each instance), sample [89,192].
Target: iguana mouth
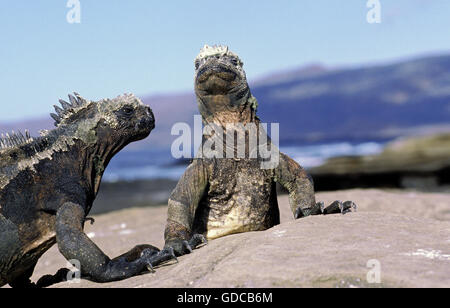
[216,79]
[145,125]
[221,71]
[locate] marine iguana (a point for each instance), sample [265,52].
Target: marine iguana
[48,185]
[221,196]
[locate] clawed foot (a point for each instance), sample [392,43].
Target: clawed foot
[334,208]
[154,258]
[48,280]
[90,219]
[181,247]
[340,207]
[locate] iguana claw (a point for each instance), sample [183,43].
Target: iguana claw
[197,240]
[90,219]
[340,207]
[154,259]
[186,247]
[150,268]
[349,206]
[315,210]
[171,252]
[334,208]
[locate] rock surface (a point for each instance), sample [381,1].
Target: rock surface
[408,233]
[421,163]
[424,154]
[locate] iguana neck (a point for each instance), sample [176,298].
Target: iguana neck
[225,109]
[96,159]
[239,118]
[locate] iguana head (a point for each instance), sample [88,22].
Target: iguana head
[221,87]
[121,120]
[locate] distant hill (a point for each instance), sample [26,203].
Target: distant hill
[33,125]
[316,104]
[361,103]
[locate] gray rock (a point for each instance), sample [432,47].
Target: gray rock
[420,154]
[396,228]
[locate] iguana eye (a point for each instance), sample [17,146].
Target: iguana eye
[127,110]
[197,64]
[234,61]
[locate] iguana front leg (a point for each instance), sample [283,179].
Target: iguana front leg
[74,244]
[183,204]
[301,191]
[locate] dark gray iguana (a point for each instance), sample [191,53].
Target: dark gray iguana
[48,185]
[222,196]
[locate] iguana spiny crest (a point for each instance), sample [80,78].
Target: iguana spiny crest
[15,139]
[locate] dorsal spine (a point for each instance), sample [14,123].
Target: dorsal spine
[15,139]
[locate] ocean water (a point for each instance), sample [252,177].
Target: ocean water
[159,164]
[316,155]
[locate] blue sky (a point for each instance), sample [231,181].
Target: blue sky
[148,47]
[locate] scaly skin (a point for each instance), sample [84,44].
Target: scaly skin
[222,196]
[48,185]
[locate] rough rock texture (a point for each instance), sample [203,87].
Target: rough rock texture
[420,162]
[407,232]
[425,154]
